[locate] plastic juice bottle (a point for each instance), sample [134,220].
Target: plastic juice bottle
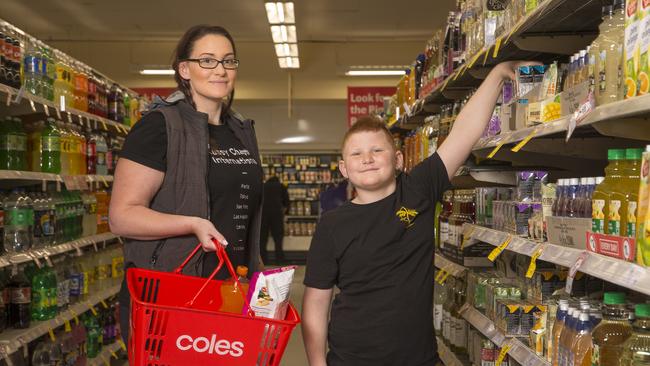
[34,148]
[643,77]
[81,150]
[631,43]
[50,161]
[558,326]
[626,193]
[102,211]
[637,347]
[232,296]
[567,336]
[643,213]
[600,197]
[60,94]
[606,67]
[570,204]
[582,345]
[594,52]
[64,139]
[610,335]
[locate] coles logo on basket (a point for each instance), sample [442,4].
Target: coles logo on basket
[221,347]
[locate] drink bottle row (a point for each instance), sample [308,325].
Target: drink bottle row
[78,340]
[42,219]
[56,147]
[52,75]
[37,294]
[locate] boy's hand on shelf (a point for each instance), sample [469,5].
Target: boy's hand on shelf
[506,70]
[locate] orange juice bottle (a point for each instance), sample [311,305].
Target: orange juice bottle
[232,296]
[558,326]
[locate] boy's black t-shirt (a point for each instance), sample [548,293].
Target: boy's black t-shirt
[234,181]
[380,255]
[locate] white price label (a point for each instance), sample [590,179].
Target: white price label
[573,270]
[46,109]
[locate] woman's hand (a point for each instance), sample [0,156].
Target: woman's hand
[206,232]
[506,70]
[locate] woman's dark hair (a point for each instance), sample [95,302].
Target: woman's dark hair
[183,51]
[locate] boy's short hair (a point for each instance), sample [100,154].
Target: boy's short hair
[367,124]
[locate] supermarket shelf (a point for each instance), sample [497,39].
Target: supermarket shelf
[38,176]
[50,108]
[301,216]
[443,263]
[46,253]
[620,272]
[447,356]
[303,199]
[105,355]
[520,352]
[305,183]
[12,340]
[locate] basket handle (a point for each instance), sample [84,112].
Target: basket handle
[223,258]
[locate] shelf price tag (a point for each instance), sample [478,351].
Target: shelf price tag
[485,57]
[92,308]
[466,236]
[474,59]
[51,333]
[496,149]
[497,46]
[445,84]
[498,250]
[104,304]
[31,104]
[580,114]
[75,317]
[502,355]
[105,360]
[524,141]
[46,110]
[533,262]
[8,101]
[67,326]
[114,354]
[122,345]
[444,277]
[573,270]
[439,275]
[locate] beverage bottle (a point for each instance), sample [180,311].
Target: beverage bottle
[600,197]
[39,213]
[571,200]
[558,326]
[113,103]
[115,147]
[81,88]
[59,85]
[448,331]
[5,161]
[594,53]
[62,286]
[104,269]
[631,192]
[90,214]
[582,345]
[88,267]
[91,152]
[40,296]
[459,341]
[559,197]
[48,71]
[50,155]
[47,353]
[21,298]
[439,299]
[65,148]
[126,119]
[232,295]
[135,110]
[102,211]
[567,335]
[92,93]
[81,150]
[109,326]
[17,144]
[59,216]
[18,222]
[52,291]
[93,331]
[102,151]
[34,146]
[610,335]
[75,275]
[617,198]
[611,48]
[637,347]
[31,68]
[18,53]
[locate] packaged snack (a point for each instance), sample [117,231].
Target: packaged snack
[525,183]
[268,294]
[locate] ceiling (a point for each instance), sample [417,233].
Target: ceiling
[118,37]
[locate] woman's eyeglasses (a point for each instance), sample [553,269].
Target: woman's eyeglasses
[212,63]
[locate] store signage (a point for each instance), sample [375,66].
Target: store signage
[366,100]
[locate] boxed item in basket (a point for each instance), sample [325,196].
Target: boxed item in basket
[268,292]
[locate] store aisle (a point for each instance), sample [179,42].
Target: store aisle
[294,355]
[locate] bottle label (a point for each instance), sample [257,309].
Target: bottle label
[103,272]
[62,292]
[631,219]
[101,158]
[602,85]
[51,143]
[614,226]
[19,217]
[86,283]
[595,355]
[117,268]
[40,301]
[598,216]
[20,142]
[76,283]
[42,223]
[21,295]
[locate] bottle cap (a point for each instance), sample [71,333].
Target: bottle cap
[642,310]
[571,310]
[615,154]
[633,154]
[584,317]
[574,181]
[591,181]
[614,298]
[564,302]
[583,181]
[242,271]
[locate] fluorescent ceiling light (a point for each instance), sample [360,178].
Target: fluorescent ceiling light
[286,49]
[289,62]
[295,140]
[375,73]
[284,34]
[280,13]
[157,72]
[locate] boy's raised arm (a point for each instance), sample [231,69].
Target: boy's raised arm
[315,312]
[474,117]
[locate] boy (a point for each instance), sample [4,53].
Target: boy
[378,248]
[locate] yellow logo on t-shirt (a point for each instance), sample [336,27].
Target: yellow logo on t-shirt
[406,215]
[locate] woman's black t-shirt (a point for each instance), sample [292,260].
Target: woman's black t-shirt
[234,181]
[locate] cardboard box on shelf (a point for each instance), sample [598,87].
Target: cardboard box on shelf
[568,231]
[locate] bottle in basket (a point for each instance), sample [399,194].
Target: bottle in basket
[232,299]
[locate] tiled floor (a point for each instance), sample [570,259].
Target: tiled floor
[294,355]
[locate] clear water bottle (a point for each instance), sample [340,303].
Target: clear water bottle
[19,222]
[47,353]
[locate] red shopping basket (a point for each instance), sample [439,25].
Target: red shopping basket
[174,322]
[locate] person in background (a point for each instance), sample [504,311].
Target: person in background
[378,248]
[276,204]
[334,196]
[190,171]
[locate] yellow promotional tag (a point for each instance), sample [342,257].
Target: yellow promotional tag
[122,345]
[524,141]
[76,318]
[103,125]
[514,30]
[444,278]
[502,354]
[458,72]
[104,304]
[478,55]
[439,275]
[445,84]
[104,181]
[68,327]
[114,354]
[497,251]
[485,57]
[466,237]
[105,360]
[497,45]
[52,337]
[496,150]
[92,309]
[533,262]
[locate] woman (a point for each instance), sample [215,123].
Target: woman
[189,171]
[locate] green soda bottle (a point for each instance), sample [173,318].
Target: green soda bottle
[51,148]
[4,145]
[20,141]
[40,296]
[637,347]
[93,336]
